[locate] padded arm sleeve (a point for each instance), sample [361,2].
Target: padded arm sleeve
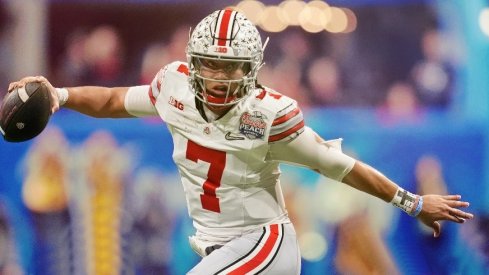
[311,151]
[138,103]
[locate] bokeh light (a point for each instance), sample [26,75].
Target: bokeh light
[273,20]
[252,9]
[484,21]
[313,16]
[313,246]
[292,9]
[338,22]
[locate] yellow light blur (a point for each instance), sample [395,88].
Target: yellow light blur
[291,10]
[320,5]
[484,21]
[351,20]
[252,9]
[315,16]
[338,22]
[313,246]
[273,20]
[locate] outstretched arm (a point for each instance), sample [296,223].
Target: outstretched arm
[90,100]
[434,207]
[98,101]
[312,151]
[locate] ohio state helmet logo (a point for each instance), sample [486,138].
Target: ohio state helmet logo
[252,125]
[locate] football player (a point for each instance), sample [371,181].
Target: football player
[230,134]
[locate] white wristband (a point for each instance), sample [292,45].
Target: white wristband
[62,95]
[407,201]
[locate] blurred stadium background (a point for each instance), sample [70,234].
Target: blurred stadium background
[404,82]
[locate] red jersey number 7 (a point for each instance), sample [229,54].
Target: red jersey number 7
[217,161]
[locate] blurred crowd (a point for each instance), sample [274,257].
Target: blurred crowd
[5,20]
[89,212]
[94,210]
[396,61]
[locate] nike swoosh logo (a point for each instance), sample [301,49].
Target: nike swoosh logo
[230,136]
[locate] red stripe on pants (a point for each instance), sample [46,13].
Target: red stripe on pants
[260,257]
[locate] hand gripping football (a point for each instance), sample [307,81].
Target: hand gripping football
[25,112]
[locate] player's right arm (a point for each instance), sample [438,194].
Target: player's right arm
[96,101]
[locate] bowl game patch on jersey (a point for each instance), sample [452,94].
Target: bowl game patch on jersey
[252,125]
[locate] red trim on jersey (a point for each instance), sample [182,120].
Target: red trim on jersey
[183,69]
[223,29]
[158,85]
[286,133]
[262,255]
[151,96]
[286,117]
[262,94]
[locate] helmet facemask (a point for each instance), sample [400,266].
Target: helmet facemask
[224,42]
[235,88]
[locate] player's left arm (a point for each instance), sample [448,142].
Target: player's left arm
[429,209]
[310,150]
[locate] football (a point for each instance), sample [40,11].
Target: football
[25,112]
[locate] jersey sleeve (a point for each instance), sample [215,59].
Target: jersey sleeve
[155,86]
[141,101]
[311,151]
[138,103]
[288,123]
[170,73]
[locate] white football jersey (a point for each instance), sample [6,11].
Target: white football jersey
[230,187]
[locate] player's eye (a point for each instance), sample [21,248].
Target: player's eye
[209,64]
[226,66]
[232,66]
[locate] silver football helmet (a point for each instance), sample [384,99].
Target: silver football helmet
[228,37]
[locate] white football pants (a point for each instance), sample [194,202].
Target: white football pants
[272,249]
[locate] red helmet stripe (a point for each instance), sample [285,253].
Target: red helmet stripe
[224,27]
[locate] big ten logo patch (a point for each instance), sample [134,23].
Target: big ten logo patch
[221,50]
[175,103]
[252,125]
